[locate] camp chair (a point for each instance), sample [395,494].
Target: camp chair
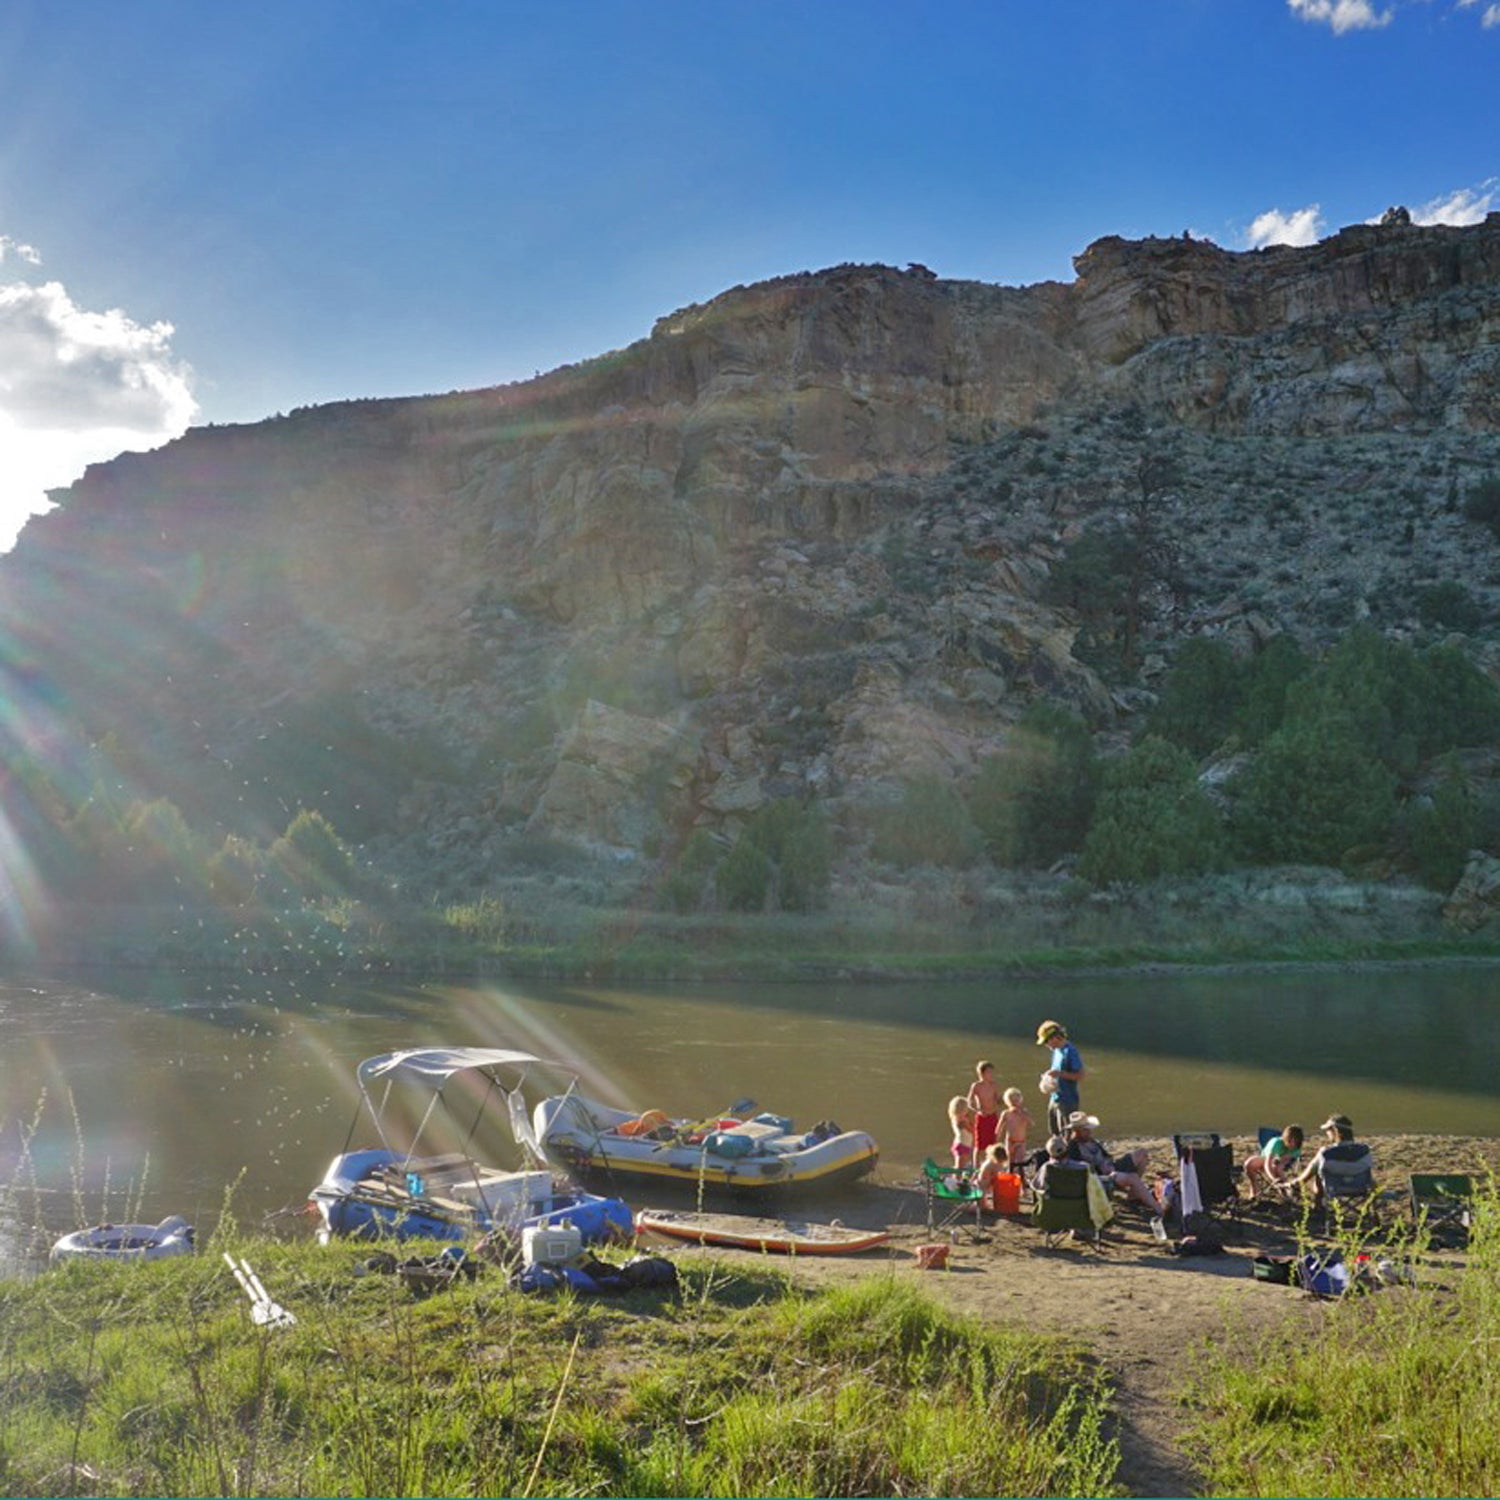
[1213,1161]
[1347,1176]
[1062,1206]
[1216,1185]
[1444,1202]
[961,1192]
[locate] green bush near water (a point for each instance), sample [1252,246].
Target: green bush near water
[152,1380]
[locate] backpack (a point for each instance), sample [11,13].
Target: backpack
[1204,1237]
[649,1271]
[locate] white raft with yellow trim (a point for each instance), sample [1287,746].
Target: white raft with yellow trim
[761,1156]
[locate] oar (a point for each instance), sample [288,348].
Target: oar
[739,1107]
[262,1309]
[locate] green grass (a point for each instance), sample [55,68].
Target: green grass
[151,1380]
[1395,1393]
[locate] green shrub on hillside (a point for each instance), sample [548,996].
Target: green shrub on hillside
[1440,834]
[1315,791]
[1404,705]
[743,879]
[795,837]
[1273,670]
[1152,819]
[1032,803]
[686,883]
[782,862]
[929,826]
[1202,696]
[312,859]
[1449,606]
[235,871]
[1210,695]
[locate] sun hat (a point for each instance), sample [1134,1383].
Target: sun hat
[1049,1029]
[1057,1147]
[1078,1120]
[1340,1123]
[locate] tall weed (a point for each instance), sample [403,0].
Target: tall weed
[1393,1393]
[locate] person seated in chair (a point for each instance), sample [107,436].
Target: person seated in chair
[1339,1142]
[1271,1168]
[1057,1160]
[1123,1172]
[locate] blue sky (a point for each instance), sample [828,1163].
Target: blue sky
[210,212]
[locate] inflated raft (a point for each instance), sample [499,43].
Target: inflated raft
[391,1190]
[133,1242]
[760,1157]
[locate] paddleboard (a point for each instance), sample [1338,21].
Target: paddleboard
[741,1232]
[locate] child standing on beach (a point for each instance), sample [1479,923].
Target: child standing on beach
[984,1100]
[961,1117]
[1014,1124]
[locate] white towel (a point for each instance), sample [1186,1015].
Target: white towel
[1192,1199]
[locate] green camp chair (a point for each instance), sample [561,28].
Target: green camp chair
[1062,1206]
[1444,1203]
[949,1186]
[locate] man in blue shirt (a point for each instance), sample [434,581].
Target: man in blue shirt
[1065,1070]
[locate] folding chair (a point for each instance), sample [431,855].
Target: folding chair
[1213,1161]
[1347,1177]
[1062,1206]
[1443,1202]
[949,1186]
[1216,1185]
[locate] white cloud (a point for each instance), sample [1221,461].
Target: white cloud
[1341,15]
[76,387]
[9,246]
[1464,205]
[1491,16]
[1303,226]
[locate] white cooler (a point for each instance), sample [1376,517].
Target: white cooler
[550,1244]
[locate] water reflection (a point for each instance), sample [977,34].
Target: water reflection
[164,1089]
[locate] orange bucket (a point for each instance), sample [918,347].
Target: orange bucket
[1005,1193]
[932,1257]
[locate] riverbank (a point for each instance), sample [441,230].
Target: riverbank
[552,940]
[1122,1370]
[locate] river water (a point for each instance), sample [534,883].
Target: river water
[152,1094]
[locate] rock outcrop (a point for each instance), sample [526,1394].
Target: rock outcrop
[819,519]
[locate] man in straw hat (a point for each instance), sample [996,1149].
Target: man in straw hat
[1123,1171]
[1063,1073]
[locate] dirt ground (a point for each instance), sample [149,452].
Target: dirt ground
[1135,1306]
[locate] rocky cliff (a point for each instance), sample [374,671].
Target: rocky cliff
[800,539]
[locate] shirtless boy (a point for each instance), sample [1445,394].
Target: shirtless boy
[984,1100]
